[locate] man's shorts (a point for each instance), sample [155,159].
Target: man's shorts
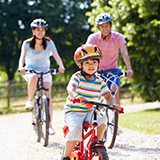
[114,79]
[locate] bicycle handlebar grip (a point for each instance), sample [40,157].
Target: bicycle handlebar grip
[122,109]
[54,71]
[74,100]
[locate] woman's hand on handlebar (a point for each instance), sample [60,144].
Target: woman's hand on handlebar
[61,69]
[22,70]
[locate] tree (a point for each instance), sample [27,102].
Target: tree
[10,34]
[68,28]
[139,22]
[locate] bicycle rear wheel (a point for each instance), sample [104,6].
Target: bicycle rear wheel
[35,122]
[44,128]
[111,130]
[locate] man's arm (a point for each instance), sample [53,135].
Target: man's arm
[126,60]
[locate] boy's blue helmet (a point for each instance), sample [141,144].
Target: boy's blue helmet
[103,18]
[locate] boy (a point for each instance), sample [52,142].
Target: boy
[85,85]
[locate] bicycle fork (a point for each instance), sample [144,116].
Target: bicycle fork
[38,106]
[39,95]
[93,142]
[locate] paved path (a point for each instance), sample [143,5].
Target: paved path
[17,140]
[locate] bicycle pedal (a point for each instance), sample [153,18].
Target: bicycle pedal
[29,109]
[33,123]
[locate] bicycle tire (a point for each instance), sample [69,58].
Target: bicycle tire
[111,130]
[35,122]
[99,153]
[45,121]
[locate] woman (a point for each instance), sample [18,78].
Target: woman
[35,53]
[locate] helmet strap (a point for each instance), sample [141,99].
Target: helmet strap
[86,74]
[37,37]
[107,36]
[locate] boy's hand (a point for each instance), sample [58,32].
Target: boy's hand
[81,99]
[117,107]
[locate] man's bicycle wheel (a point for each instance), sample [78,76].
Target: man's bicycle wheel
[44,127]
[111,131]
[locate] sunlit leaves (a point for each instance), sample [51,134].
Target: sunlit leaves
[139,22]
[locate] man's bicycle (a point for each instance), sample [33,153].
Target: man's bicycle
[94,149]
[41,111]
[112,117]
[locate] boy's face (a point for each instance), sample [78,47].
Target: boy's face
[90,66]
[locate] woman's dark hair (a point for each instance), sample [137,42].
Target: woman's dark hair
[44,43]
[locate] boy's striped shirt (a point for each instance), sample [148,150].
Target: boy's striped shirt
[91,90]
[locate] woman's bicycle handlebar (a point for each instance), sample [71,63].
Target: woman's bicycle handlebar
[51,71]
[98,104]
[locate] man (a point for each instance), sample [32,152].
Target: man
[110,43]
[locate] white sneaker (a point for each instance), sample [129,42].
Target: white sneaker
[51,131]
[119,131]
[29,105]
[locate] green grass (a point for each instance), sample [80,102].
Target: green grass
[147,121]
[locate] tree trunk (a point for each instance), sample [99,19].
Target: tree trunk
[9,71]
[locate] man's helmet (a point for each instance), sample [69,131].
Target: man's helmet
[39,23]
[102,18]
[86,52]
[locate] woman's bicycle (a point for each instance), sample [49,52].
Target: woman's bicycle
[94,149]
[41,111]
[112,117]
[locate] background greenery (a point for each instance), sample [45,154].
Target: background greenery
[146,121]
[70,23]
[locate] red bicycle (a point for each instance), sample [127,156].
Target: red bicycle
[90,148]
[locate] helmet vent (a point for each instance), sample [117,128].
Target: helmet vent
[84,50]
[95,49]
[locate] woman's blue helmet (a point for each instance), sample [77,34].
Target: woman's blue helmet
[102,18]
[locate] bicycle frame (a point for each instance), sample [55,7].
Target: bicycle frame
[87,153]
[40,89]
[112,117]
[39,94]
[41,111]
[92,142]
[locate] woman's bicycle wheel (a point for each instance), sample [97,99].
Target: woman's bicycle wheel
[44,127]
[111,131]
[35,122]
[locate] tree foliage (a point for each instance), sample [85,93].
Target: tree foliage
[139,22]
[68,28]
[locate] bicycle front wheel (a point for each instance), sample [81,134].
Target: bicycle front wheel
[35,122]
[99,153]
[111,130]
[45,118]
